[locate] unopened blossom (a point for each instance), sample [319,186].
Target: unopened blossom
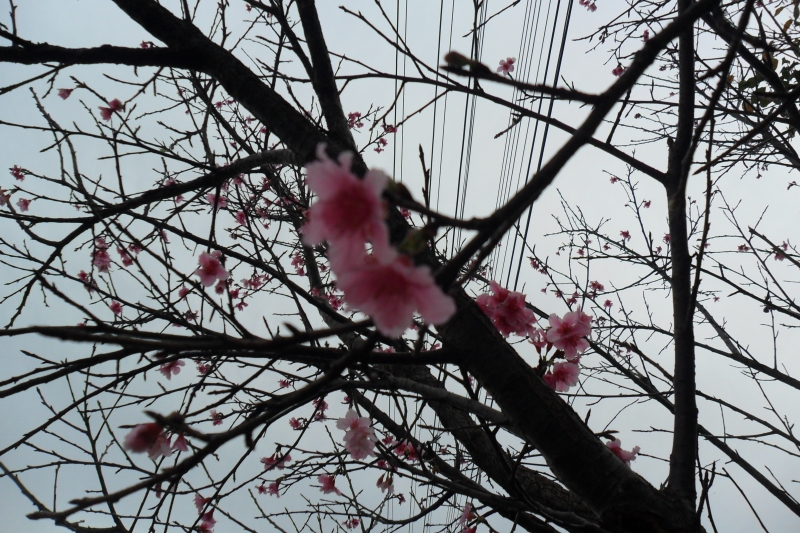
[23,204]
[390,292]
[626,456]
[4,197]
[618,70]
[506,65]
[359,437]
[569,333]
[507,310]
[64,93]
[563,376]
[210,269]
[148,438]
[173,367]
[116,308]
[352,523]
[113,107]
[349,212]
[328,484]
[276,460]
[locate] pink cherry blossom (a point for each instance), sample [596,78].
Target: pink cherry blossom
[200,502]
[385,483]
[148,438]
[626,456]
[349,212]
[389,292]
[589,5]
[168,369]
[210,269]
[208,521]
[406,450]
[295,423]
[217,202]
[351,523]
[328,484]
[563,376]
[113,106]
[23,204]
[64,93]
[272,489]
[276,460]
[507,311]
[506,65]
[618,70]
[569,334]
[241,218]
[466,515]
[359,436]
[354,120]
[538,337]
[4,197]
[180,444]
[216,417]
[116,308]
[17,173]
[183,291]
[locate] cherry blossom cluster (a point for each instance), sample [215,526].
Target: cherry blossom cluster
[359,437]
[350,213]
[509,314]
[207,520]
[152,438]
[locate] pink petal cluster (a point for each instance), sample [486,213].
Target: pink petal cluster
[406,450]
[389,292]
[563,376]
[359,437]
[148,438]
[211,269]
[276,460]
[113,106]
[569,333]
[64,93]
[506,65]
[626,456]
[174,367]
[349,212]
[328,484]
[385,483]
[507,311]
[23,204]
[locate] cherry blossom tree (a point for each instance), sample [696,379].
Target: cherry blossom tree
[220,315]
